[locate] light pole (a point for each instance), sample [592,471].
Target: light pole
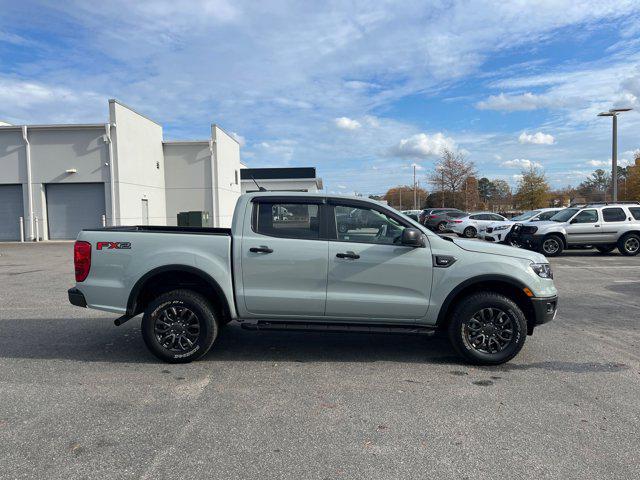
[414,186]
[613,113]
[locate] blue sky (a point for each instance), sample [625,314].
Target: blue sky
[361,90]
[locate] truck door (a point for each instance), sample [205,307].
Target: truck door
[585,228]
[284,258]
[370,275]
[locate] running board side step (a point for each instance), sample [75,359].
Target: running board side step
[337,327]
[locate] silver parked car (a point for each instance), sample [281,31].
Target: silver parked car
[606,226]
[500,231]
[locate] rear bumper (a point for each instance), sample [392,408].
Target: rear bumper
[76,297]
[545,309]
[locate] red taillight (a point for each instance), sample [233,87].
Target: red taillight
[431,217]
[455,221]
[82,259]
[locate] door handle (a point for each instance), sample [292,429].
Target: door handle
[351,255]
[597,226]
[261,249]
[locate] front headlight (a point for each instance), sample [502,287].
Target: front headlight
[502,227]
[543,270]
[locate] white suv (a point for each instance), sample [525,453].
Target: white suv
[469,225]
[499,231]
[603,225]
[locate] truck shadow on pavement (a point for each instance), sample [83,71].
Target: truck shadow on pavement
[98,340]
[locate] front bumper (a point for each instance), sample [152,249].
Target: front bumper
[76,297]
[530,241]
[544,309]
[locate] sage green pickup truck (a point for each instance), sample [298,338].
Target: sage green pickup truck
[332,263]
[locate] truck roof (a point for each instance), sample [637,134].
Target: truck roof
[308,194]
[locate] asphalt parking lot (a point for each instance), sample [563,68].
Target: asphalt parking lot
[81,398]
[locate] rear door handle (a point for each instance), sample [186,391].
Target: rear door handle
[597,226]
[261,249]
[351,255]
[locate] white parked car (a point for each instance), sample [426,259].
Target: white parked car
[469,225]
[498,231]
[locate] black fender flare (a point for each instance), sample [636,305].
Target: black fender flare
[132,302]
[471,282]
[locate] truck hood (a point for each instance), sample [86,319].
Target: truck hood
[498,249]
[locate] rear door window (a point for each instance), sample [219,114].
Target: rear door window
[635,211]
[289,220]
[613,214]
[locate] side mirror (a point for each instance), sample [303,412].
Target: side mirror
[411,237]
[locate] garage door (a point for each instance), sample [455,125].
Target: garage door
[11,209]
[72,207]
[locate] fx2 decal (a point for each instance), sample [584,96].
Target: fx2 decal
[112,245]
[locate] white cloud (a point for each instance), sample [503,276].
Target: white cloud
[538,138]
[346,123]
[422,145]
[598,163]
[521,163]
[342,187]
[520,102]
[238,138]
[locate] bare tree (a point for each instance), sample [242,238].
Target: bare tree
[451,173]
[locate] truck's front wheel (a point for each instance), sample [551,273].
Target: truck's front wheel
[179,326]
[487,328]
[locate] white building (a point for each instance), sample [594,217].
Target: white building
[62,178]
[294,179]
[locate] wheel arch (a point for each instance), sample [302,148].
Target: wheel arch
[508,286]
[170,277]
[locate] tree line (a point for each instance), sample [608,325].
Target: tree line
[455,184]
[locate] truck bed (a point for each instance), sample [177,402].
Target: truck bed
[122,256]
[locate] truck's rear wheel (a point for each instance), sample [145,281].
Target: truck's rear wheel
[487,328]
[629,245]
[179,326]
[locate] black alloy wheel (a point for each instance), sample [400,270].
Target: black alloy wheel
[489,330]
[179,326]
[470,232]
[176,328]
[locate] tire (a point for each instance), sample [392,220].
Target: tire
[629,245]
[470,232]
[174,308]
[343,228]
[441,227]
[605,248]
[552,246]
[465,316]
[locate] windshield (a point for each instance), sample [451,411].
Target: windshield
[526,215]
[564,215]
